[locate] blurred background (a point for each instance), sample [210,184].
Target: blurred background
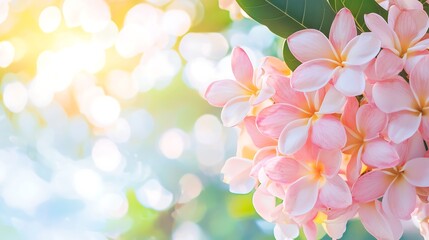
[104,133]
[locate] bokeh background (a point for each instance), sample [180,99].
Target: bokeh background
[104,133]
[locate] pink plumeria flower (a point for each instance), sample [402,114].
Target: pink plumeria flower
[407,43]
[296,116]
[407,103]
[342,57]
[312,177]
[364,140]
[397,185]
[336,220]
[238,97]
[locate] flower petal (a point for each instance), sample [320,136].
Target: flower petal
[310,44]
[313,75]
[275,66]
[264,203]
[376,222]
[403,99]
[354,167]
[272,120]
[333,102]
[283,170]
[411,26]
[322,133]
[294,136]
[343,29]
[234,111]
[236,172]
[388,64]
[220,92]
[400,198]
[242,67]
[330,160]
[380,154]
[361,49]
[264,93]
[286,231]
[301,196]
[419,81]
[350,81]
[370,121]
[403,125]
[285,93]
[371,186]
[335,193]
[416,171]
[260,140]
[348,118]
[384,33]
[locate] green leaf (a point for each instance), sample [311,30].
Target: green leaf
[359,8]
[290,60]
[284,17]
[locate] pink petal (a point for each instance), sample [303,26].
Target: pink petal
[322,133]
[403,99]
[335,193]
[354,167]
[420,46]
[379,27]
[410,27]
[380,154]
[272,120]
[265,93]
[408,5]
[234,111]
[411,148]
[257,137]
[371,186]
[333,102]
[275,66]
[286,231]
[343,29]
[310,44]
[370,121]
[261,158]
[283,170]
[419,81]
[400,198]
[388,64]
[412,58]
[335,225]
[294,136]
[330,160]
[310,230]
[350,81]
[264,203]
[220,92]
[242,67]
[285,93]
[236,172]
[350,110]
[313,75]
[377,223]
[403,125]
[416,171]
[361,49]
[301,196]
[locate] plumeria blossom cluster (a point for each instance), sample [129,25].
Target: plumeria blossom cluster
[340,137]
